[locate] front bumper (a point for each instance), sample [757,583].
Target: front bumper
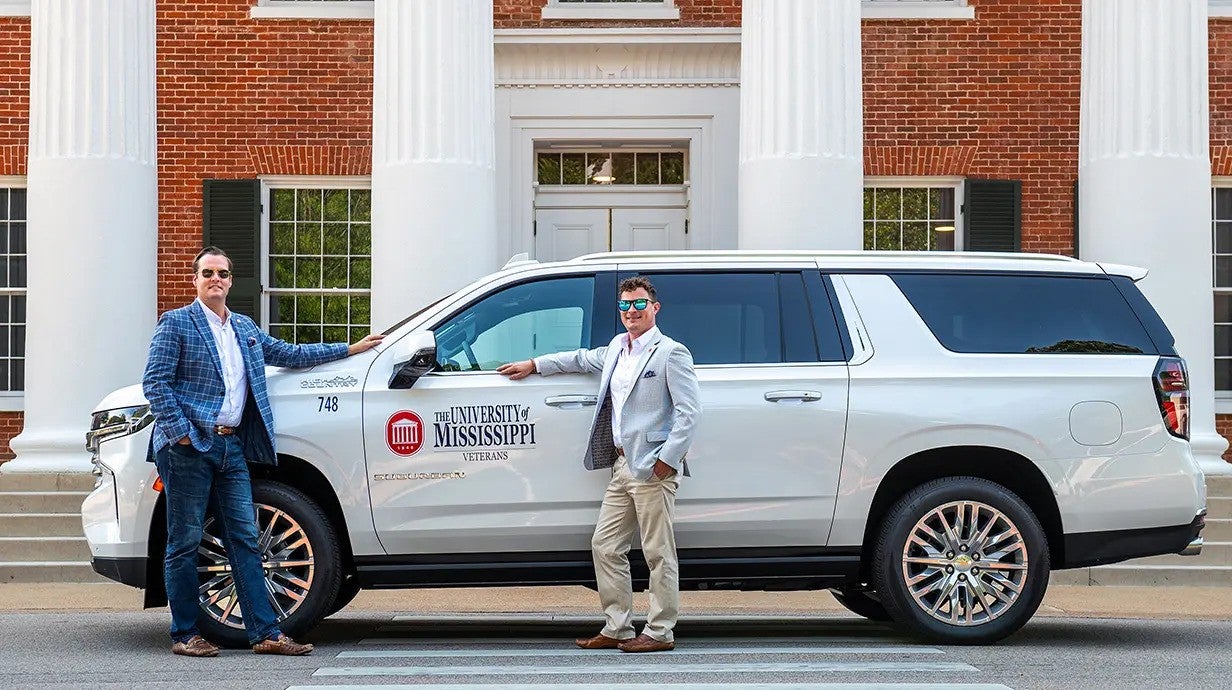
[126,571]
[1100,548]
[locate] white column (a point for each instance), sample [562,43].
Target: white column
[1144,174]
[433,150]
[92,205]
[801,127]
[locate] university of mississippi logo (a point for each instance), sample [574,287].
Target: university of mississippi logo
[404,433]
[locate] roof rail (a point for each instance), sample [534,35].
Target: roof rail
[804,253]
[519,260]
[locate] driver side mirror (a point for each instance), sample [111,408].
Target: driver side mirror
[422,348]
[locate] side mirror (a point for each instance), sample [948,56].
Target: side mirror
[422,348]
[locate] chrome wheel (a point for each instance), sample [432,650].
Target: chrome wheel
[286,556]
[965,563]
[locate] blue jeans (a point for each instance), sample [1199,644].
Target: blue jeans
[189,478]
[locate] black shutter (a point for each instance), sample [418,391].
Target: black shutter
[1075,219]
[993,215]
[232,215]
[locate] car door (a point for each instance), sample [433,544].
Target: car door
[769,444]
[467,460]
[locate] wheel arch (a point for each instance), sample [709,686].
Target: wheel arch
[1007,468]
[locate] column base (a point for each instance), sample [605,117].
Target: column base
[1208,450]
[49,451]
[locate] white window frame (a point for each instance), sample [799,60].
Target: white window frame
[916,9]
[1223,399]
[905,182]
[605,9]
[15,401]
[312,9]
[270,182]
[14,8]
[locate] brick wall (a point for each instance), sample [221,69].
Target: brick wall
[1220,37]
[14,135]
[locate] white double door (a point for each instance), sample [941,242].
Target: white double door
[564,233]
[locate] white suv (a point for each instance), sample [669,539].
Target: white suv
[927,435]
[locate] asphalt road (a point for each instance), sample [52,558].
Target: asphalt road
[365,649]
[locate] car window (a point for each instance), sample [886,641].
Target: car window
[1026,314]
[518,322]
[726,318]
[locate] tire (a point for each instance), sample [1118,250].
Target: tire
[862,603]
[978,512]
[313,570]
[346,594]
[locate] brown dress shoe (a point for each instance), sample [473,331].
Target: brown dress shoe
[283,645]
[195,646]
[645,643]
[599,641]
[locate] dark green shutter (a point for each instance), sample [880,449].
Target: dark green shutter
[232,219]
[993,215]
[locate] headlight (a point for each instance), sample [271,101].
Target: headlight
[109,424]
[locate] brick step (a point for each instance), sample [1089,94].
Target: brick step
[49,571]
[46,481]
[39,549]
[63,502]
[40,525]
[1213,553]
[1218,508]
[1126,574]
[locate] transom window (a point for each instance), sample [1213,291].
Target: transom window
[913,217]
[611,167]
[320,264]
[1221,241]
[12,289]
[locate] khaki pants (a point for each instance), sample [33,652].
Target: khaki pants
[627,505]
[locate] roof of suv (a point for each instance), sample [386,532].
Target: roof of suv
[878,260]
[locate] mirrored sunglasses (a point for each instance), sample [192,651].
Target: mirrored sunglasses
[639,304]
[209,273]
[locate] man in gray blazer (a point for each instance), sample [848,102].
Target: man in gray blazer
[642,429]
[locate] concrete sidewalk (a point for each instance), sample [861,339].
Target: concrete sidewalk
[1192,603]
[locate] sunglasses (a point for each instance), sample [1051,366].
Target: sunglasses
[209,273]
[639,304]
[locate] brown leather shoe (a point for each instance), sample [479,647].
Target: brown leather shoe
[195,646]
[283,645]
[599,641]
[645,643]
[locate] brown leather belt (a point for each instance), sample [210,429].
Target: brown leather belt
[224,430]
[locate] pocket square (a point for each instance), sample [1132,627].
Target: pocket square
[649,375]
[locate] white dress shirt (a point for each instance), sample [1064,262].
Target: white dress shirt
[628,363]
[232,359]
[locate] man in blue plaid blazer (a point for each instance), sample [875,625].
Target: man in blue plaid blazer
[205,380]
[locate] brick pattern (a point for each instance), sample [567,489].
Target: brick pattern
[311,160]
[919,160]
[10,426]
[14,94]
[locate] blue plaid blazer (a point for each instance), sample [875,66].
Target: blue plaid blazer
[183,380]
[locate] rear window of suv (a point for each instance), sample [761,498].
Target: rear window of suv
[1026,314]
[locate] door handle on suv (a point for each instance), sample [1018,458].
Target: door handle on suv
[570,402]
[802,396]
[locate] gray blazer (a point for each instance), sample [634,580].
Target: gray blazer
[659,415]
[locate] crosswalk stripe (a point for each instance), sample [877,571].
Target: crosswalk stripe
[598,617]
[690,650]
[681,686]
[626,669]
[567,642]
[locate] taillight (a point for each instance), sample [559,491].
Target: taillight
[1172,391]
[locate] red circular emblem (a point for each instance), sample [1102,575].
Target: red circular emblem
[404,433]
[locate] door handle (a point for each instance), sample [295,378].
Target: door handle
[802,396]
[571,402]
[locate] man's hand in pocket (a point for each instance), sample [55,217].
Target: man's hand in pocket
[662,470]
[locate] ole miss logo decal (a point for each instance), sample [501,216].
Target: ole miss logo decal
[404,433]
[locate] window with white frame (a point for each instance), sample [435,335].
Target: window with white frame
[611,9]
[911,215]
[319,262]
[1221,242]
[12,288]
